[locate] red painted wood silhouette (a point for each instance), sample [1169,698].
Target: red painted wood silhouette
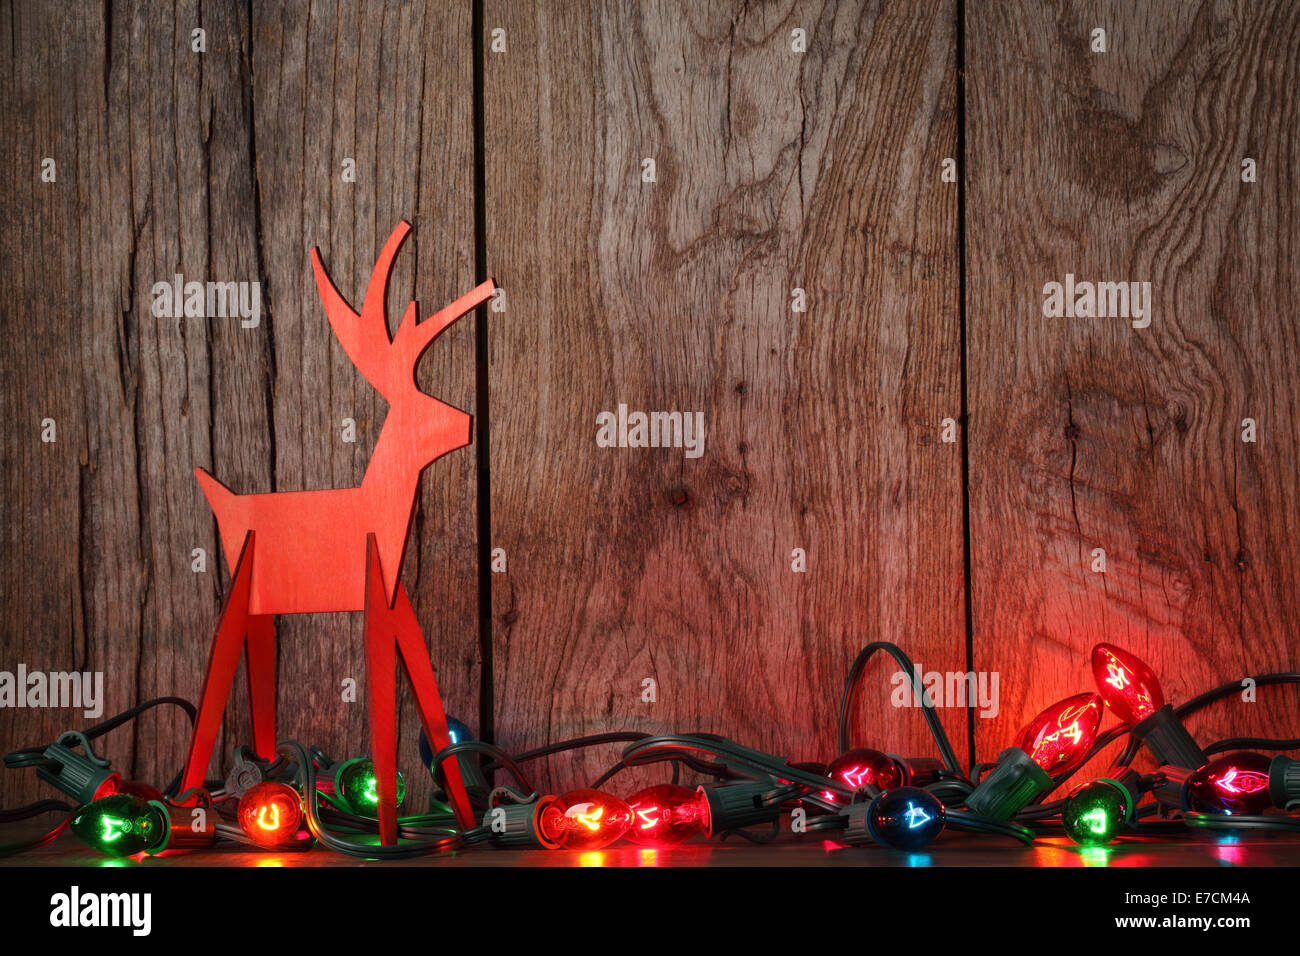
[342,549]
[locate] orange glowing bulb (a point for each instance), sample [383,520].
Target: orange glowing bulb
[270,813]
[585,820]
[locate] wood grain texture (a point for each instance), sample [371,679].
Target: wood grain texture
[1088,433]
[224,165]
[775,171]
[391,86]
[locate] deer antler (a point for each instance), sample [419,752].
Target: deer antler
[364,336]
[413,338]
[388,365]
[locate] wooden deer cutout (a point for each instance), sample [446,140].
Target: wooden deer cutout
[341,549]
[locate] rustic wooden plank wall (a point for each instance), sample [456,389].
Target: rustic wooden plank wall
[775,170]
[390,86]
[225,165]
[1089,433]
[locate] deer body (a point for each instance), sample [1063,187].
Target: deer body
[311,545]
[341,549]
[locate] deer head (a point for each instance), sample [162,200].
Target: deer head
[427,426]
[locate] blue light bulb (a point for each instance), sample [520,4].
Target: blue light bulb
[471,773]
[905,818]
[458,731]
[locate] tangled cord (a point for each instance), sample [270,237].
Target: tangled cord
[327,818]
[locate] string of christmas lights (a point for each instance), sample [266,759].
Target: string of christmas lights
[302,798]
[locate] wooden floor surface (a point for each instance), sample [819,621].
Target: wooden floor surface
[950,850]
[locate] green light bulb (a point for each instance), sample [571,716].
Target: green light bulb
[119,825]
[360,789]
[1094,812]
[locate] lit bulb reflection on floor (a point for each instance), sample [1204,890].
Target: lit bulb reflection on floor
[1051,854]
[1228,850]
[592,858]
[919,859]
[647,857]
[1095,855]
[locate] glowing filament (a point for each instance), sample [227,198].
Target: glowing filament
[1096,820]
[1118,675]
[857,777]
[588,814]
[915,816]
[274,822]
[114,828]
[1242,781]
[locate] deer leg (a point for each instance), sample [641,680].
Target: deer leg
[222,662]
[381,693]
[419,671]
[259,662]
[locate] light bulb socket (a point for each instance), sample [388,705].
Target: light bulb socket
[184,828]
[1128,791]
[1129,781]
[857,831]
[1284,782]
[1168,740]
[327,778]
[1011,786]
[519,824]
[919,771]
[245,774]
[470,763]
[1171,786]
[82,776]
[471,775]
[736,805]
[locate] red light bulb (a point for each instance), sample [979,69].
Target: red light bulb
[1128,685]
[1058,739]
[138,788]
[666,815]
[585,820]
[114,783]
[864,767]
[1132,691]
[1233,784]
[270,813]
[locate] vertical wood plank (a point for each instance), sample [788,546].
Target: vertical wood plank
[775,171]
[45,299]
[390,86]
[117,518]
[1088,433]
[224,165]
